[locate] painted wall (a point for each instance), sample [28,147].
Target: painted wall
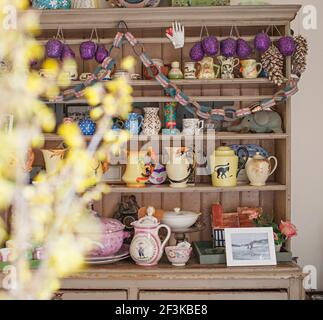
[307,147]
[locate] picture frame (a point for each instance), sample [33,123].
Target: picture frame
[250,247]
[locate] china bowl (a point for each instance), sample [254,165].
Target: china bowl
[178,220]
[178,256]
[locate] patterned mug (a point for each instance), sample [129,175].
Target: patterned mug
[250,68]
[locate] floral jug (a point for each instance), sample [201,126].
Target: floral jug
[205,69]
[140,166]
[151,124]
[50,4]
[53,159]
[179,166]
[259,169]
[134,123]
[146,248]
[225,166]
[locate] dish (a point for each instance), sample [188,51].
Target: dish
[122,254]
[179,220]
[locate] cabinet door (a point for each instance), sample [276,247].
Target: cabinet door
[91,295]
[213,295]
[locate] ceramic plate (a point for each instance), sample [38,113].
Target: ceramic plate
[108,261]
[124,251]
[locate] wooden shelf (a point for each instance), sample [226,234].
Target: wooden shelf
[164,16]
[164,99]
[197,188]
[215,82]
[208,136]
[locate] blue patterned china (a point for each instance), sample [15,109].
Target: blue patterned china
[51,4]
[134,123]
[87,127]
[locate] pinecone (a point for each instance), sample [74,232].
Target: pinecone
[273,63]
[299,57]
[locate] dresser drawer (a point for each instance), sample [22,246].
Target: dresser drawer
[213,295]
[91,295]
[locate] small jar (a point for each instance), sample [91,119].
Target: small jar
[175,72]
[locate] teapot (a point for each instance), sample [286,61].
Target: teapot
[259,169]
[205,69]
[225,166]
[146,248]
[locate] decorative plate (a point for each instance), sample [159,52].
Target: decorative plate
[122,253]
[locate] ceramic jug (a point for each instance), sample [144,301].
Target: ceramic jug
[146,248]
[140,166]
[250,68]
[179,167]
[151,124]
[259,169]
[134,123]
[53,159]
[225,166]
[227,67]
[205,69]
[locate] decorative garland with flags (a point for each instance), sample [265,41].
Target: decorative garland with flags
[204,112]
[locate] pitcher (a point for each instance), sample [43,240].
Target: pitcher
[205,69]
[250,68]
[146,248]
[140,166]
[134,123]
[179,167]
[227,67]
[259,169]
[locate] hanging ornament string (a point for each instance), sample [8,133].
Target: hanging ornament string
[204,112]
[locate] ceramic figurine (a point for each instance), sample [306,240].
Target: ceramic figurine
[189,71]
[259,169]
[205,69]
[259,122]
[178,166]
[87,127]
[250,68]
[227,66]
[175,72]
[225,166]
[146,248]
[134,123]
[151,124]
[140,166]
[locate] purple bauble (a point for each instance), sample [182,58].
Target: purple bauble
[210,46]
[243,49]
[88,50]
[67,53]
[262,42]
[286,46]
[101,53]
[54,48]
[197,52]
[228,47]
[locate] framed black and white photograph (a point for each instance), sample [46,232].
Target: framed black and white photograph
[250,247]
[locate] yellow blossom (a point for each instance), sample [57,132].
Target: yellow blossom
[71,134]
[128,63]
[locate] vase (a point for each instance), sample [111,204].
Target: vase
[151,124]
[278,247]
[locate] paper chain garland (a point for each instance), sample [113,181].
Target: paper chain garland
[204,112]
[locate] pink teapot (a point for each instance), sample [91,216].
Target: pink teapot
[146,248]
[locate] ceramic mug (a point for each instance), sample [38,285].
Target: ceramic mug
[250,68]
[193,126]
[189,70]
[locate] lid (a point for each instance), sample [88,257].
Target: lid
[224,151]
[175,64]
[258,156]
[147,221]
[111,225]
[177,213]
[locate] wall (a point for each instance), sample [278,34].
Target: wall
[307,149]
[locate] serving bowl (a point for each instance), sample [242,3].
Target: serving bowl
[179,220]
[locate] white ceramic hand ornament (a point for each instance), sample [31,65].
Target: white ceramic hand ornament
[176,35]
